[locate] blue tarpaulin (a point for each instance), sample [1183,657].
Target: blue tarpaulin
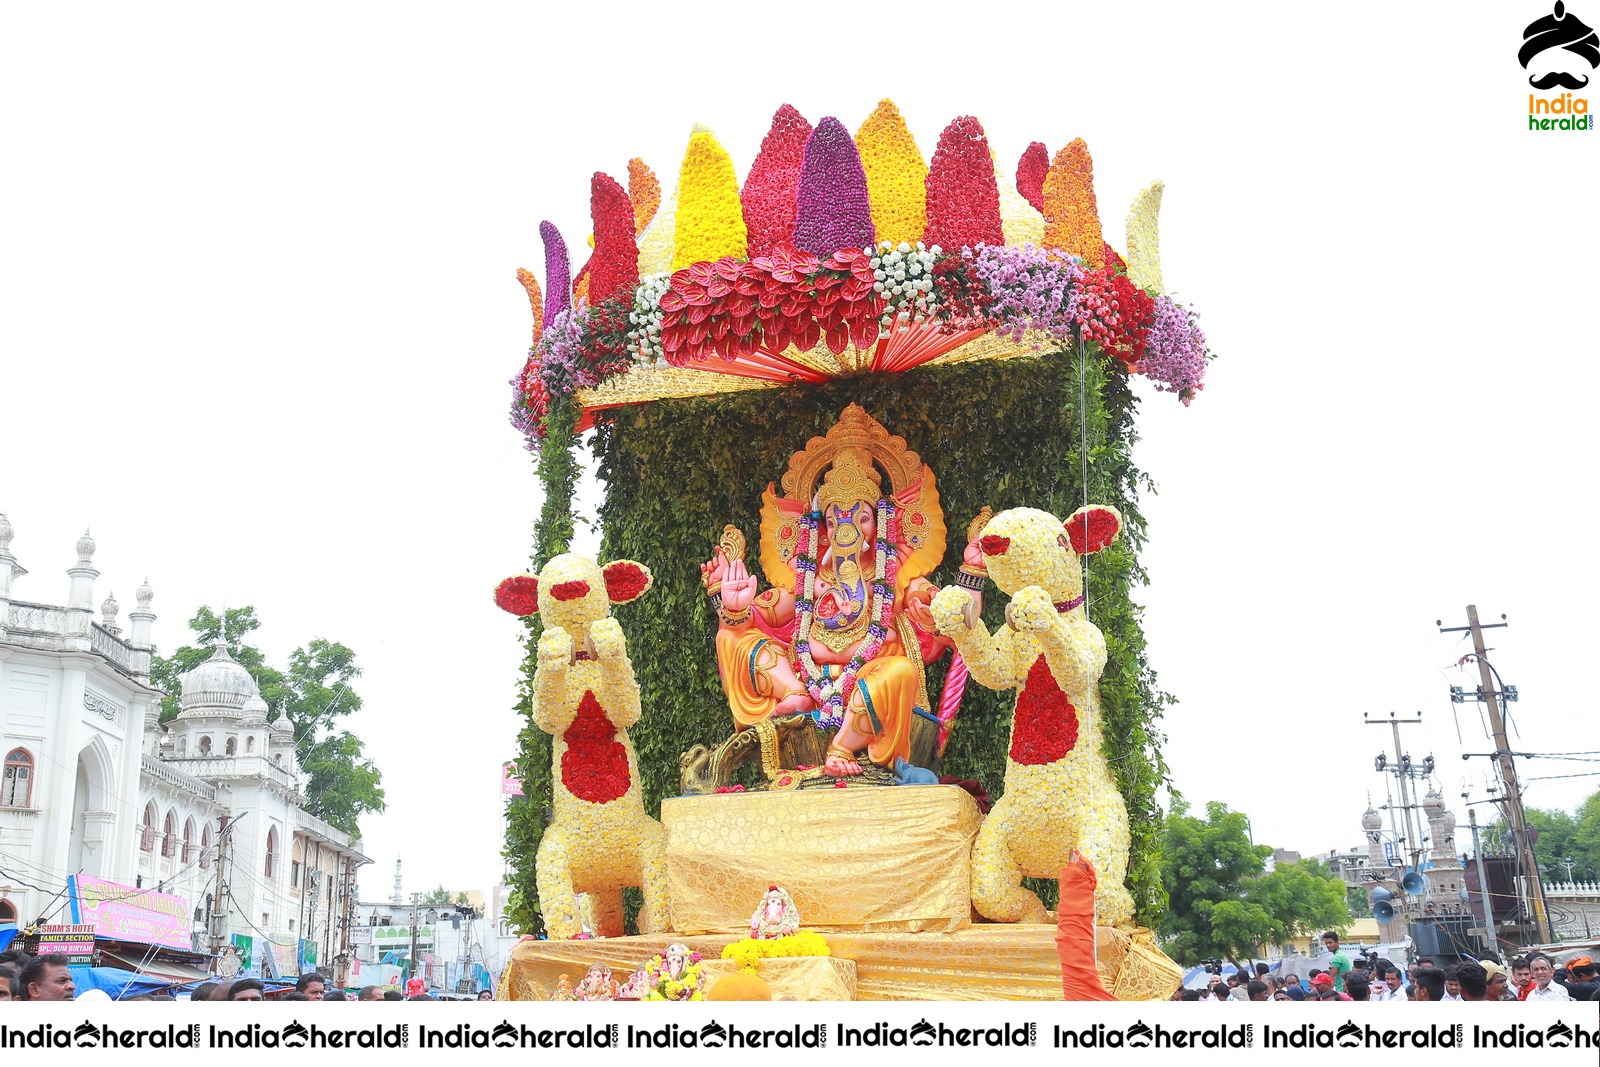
[119,984]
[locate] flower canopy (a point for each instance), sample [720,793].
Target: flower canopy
[840,256]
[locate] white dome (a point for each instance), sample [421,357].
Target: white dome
[282,725]
[1372,820]
[255,711]
[220,685]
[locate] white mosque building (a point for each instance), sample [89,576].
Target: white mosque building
[209,809]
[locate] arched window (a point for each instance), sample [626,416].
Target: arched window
[205,848]
[188,841]
[250,744]
[183,747]
[229,748]
[205,745]
[8,912]
[147,840]
[295,859]
[169,837]
[17,788]
[272,852]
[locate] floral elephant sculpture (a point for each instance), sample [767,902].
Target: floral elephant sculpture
[1059,792]
[585,695]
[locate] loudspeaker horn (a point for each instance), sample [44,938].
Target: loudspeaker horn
[1414,884]
[1383,911]
[1380,894]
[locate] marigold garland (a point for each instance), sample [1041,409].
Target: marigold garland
[833,210]
[1031,171]
[750,951]
[963,200]
[771,190]
[1072,221]
[614,267]
[557,272]
[896,175]
[1144,243]
[710,219]
[530,284]
[644,192]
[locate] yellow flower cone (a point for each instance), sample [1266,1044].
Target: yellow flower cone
[710,218]
[896,175]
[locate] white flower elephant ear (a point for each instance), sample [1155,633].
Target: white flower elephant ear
[519,594]
[626,580]
[1092,528]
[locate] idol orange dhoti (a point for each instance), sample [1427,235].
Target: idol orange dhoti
[886,688]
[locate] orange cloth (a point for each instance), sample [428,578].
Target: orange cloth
[890,680]
[1075,935]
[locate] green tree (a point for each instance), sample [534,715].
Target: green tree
[341,783]
[1222,901]
[439,896]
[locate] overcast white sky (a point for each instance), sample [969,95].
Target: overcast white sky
[258,311]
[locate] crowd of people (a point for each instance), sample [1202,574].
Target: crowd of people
[25,977]
[1534,977]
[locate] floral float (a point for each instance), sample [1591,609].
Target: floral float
[1060,796]
[586,696]
[844,255]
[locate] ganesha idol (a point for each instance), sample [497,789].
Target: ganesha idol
[844,629]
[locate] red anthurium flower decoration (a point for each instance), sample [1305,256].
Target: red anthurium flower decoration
[626,580]
[1092,528]
[518,594]
[994,544]
[614,267]
[963,200]
[1031,170]
[772,189]
[833,210]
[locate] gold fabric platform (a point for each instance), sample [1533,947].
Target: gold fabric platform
[981,962]
[853,859]
[799,977]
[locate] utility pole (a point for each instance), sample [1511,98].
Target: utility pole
[346,920]
[219,914]
[1508,772]
[411,963]
[1483,881]
[1404,771]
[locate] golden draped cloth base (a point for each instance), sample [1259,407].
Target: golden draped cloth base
[985,961]
[890,859]
[797,977]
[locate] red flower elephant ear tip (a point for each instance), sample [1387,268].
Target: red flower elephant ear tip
[626,580]
[1093,528]
[518,594]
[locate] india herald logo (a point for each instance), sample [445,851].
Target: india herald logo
[1566,36]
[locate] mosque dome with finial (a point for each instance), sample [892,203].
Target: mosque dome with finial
[1371,820]
[1433,804]
[255,711]
[220,685]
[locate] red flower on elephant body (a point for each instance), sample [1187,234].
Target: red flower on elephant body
[595,765]
[1045,725]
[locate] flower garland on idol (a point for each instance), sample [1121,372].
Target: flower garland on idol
[837,241]
[830,694]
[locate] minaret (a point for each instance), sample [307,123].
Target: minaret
[399,898]
[80,601]
[10,569]
[141,618]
